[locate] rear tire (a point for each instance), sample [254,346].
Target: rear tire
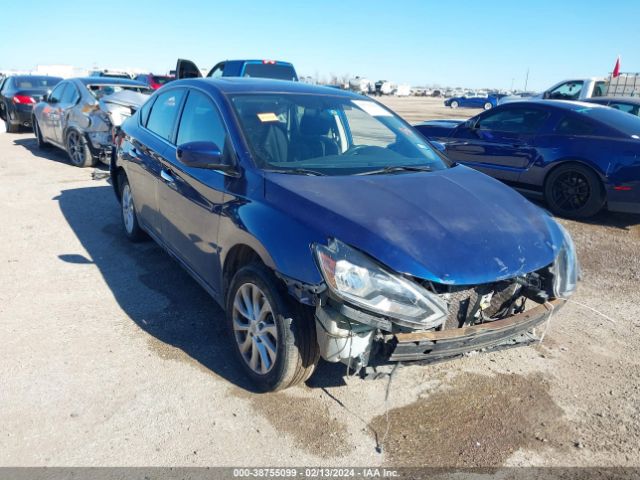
[128,212]
[574,191]
[78,150]
[39,140]
[488,106]
[277,346]
[8,126]
[455,104]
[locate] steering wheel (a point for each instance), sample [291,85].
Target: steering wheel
[357,149]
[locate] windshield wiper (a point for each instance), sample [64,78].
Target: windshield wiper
[297,171]
[398,168]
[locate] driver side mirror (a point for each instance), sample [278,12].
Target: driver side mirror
[45,97]
[206,155]
[546,95]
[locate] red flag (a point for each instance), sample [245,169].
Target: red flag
[616,69]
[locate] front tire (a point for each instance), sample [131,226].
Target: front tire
[454,104]
[574,191]
[488,106]
[274,337]
[128,212]
[78,150]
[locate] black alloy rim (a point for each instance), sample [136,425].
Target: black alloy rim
[571,191]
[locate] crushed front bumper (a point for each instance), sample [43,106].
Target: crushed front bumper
[439,345]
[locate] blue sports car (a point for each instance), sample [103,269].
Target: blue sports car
[472,101]
[579,157]
[326,226]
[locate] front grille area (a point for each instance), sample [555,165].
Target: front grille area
[470,305]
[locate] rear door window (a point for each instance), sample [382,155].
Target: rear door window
[599,89]
[164,113]
[567,91]
[514,120]
[58,92]
[70,95]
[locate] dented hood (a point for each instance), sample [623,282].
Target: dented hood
[454,226]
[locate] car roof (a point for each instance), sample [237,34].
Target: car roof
[107,81]
[33,76]
[444,122]
[569,105]
[235,85]
[281,62]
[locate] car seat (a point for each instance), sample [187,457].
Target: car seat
[313,140]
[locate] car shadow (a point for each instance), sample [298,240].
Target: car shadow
[57,155]
[155,291]
[50,152]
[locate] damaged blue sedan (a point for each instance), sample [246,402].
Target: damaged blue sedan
[326,226]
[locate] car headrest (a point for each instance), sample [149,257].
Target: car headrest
[313,123]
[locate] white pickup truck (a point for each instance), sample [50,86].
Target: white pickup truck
[626,84]
[579,89]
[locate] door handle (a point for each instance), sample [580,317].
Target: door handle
[166,176]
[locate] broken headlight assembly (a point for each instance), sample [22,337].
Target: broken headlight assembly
[566,269]
[359,280]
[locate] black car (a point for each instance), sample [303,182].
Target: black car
[626,104]
[19,94]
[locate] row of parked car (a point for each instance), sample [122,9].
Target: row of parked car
[327,227]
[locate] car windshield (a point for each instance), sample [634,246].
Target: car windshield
[277,71]
[25,83]
[330,135]
[102,90]
[623,122]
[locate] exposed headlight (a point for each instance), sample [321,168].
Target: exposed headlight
[354,277]
[566,268]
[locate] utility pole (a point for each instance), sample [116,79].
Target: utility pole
[512,81]
[526,80]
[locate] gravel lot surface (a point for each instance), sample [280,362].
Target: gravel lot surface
[112,355]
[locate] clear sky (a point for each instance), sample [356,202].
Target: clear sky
[474,43]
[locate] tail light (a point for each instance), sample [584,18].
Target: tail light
[269,62]
[26,99]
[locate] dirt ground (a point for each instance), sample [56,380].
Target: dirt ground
[112,355]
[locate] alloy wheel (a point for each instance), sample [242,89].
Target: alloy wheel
[127,208]
[571,191]
[254,328]
[75,148]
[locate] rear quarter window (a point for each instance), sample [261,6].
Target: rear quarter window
[145,110]
[571,125]
[164,113]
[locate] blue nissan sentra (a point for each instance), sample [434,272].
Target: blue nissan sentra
[326,226]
